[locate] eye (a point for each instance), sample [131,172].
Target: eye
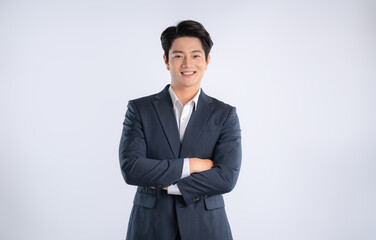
[196,56]
[178,56]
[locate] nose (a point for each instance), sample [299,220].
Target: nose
[188,62]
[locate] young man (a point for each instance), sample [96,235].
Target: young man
[181,148]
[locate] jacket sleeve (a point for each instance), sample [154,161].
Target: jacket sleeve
[224,174]
[135,167]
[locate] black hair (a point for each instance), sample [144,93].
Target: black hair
[186,28]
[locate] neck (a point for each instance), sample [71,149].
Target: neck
[185,94]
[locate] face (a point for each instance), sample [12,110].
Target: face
[186,62]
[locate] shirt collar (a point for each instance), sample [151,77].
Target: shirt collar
[174,98]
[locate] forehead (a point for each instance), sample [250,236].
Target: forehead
[186,44]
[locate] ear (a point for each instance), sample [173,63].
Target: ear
[207,62]
[166,62]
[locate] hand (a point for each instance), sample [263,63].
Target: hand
[199,165]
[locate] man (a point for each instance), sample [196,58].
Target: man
[181,148]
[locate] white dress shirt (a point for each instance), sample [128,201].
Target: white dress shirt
[182,115]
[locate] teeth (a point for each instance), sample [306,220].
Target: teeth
[188,73]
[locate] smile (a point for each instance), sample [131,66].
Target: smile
[188,73]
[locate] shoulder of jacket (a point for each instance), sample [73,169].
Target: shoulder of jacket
[220,104]
[145,99]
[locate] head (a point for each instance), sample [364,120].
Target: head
[186,28]
[186,52]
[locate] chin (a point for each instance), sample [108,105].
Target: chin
[190,83]
[186,83]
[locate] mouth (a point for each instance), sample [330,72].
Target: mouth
[188,74]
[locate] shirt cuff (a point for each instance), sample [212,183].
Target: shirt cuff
[173,189]
[186,171]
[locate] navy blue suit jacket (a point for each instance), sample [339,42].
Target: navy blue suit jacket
[151,155]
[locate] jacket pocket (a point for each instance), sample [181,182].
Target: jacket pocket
[145,200]
[214,202]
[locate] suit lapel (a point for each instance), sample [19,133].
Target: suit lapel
[164,109]
[196,124]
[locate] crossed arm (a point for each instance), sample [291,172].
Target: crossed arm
[195,165]
[208,177]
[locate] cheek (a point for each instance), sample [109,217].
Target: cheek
[175,67]
[203,66]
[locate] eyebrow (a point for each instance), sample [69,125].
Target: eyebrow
[194,51]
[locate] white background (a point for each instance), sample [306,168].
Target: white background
[302,75]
